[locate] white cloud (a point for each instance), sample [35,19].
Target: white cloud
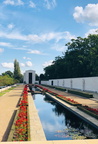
[10,26]
[91,31]
[35,38]
[57,36]
[22,64]
[5,44]
[59,47]
[12,2]
[20,2]
[47,63]
[29,64]
[27,58]
[9,2]
[32,4]
[13,35]
[7,65]
[49,4]
[1,50]
[88,14]
[34,52]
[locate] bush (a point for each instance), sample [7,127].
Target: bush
[60,88]
[6,80]
[84,94]
[86,110]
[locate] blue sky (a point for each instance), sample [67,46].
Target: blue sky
[35,31]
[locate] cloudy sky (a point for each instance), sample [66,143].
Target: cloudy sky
[35,31]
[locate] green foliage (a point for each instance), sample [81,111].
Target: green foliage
[87,111]
[17,74]
[8,73]
[60,88]
[6,80]
[37,77]
[80,60]
[81,93]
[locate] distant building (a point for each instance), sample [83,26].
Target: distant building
[29,77]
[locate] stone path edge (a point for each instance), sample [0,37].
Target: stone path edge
[36,130]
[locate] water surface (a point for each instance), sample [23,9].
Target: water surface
[59,123]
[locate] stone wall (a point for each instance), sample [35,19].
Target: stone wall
[84,84]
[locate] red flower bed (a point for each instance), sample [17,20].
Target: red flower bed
[21,123]
[91,111]
[95,111]
[71,101]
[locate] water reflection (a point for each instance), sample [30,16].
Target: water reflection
[59,123]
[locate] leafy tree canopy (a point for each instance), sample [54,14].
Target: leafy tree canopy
[8,73]
[80,60]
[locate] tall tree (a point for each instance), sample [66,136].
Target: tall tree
[17,74]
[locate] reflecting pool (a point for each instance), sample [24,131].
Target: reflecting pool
[59,123]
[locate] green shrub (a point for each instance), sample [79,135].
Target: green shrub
[88,112]
[60,88]
[84,94]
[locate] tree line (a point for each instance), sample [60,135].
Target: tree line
[9,78]
[80,60]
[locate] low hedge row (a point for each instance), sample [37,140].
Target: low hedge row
[87,111]
[48,86]
[60,88]
[84,94]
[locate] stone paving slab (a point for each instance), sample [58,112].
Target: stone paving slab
[36,130]
[94,141]
[8,103]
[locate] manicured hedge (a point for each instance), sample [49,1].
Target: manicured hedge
[60,88]
[48,86]
[84,94]
[87,111]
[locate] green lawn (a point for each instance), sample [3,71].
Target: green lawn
[5,91]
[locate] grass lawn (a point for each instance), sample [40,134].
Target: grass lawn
[5,91]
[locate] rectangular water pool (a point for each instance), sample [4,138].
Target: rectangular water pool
[59,123]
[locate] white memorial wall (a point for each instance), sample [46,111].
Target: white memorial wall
[84,84]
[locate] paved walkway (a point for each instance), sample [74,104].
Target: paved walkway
[8,104]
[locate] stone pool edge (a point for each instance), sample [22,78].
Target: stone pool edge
[91,120]
[36,130]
